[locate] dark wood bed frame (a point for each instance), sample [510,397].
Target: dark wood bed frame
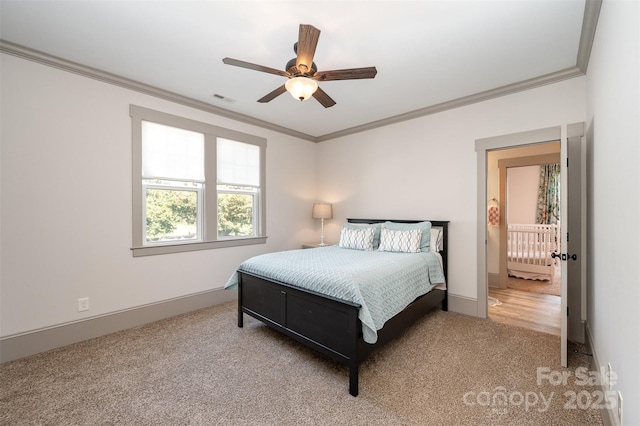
[329,325]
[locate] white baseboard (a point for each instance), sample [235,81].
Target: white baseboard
[462,304]
[33,342]
[609,415]
[493,280]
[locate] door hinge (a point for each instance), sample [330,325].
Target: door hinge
[567,311]
[567,161]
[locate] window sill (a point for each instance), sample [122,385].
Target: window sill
[185,247]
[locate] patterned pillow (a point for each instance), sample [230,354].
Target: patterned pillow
[400,241]
[376,230]
[425,227]
[357,239]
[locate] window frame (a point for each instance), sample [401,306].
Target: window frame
[254,212]
[210,239]
[199,190]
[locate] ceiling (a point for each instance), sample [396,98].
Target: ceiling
[430,55]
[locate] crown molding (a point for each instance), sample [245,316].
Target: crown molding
[589,23]
[116,80]
[460,102]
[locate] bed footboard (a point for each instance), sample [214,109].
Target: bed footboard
[330,326]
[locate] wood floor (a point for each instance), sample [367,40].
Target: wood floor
[535,311]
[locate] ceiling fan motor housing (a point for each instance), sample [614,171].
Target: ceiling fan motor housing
[293,70]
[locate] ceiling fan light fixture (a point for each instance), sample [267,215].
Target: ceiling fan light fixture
[302,72]
[301,88]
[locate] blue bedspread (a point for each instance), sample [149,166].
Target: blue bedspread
[382,283]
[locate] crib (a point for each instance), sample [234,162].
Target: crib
[529,248]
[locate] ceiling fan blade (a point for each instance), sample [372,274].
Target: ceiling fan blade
[255,67]
[346,74]
[307,41]
[274,94]
[324,99]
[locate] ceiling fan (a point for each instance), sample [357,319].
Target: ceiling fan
[302,72]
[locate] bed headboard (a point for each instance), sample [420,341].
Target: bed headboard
[444,224]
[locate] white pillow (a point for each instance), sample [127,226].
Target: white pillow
[436,239]
[357,239]
[400,241]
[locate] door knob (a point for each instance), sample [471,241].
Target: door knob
[564,256]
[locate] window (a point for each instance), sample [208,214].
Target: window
[195,186]
[172,184]
[238,187]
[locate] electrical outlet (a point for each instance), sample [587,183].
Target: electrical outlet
[83,304]
[620,408]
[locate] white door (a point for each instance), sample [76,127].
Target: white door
[573,237]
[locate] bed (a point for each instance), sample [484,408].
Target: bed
[341,326]
[529,249]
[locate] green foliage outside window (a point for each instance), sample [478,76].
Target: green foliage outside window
[171,214]
[235,215]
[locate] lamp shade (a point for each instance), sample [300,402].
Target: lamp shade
[301,87]
[322,211]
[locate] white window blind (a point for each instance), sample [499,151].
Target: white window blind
[238,163]
[172,153]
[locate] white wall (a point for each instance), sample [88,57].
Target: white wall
[66,202]
[426,168]
[522,194]
[613,155]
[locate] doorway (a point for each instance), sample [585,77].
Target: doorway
[523,285]
[573,288]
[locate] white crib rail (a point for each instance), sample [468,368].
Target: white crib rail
[531,244]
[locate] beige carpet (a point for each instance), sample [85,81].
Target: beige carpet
[200,368]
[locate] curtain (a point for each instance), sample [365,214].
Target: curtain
[549,194]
